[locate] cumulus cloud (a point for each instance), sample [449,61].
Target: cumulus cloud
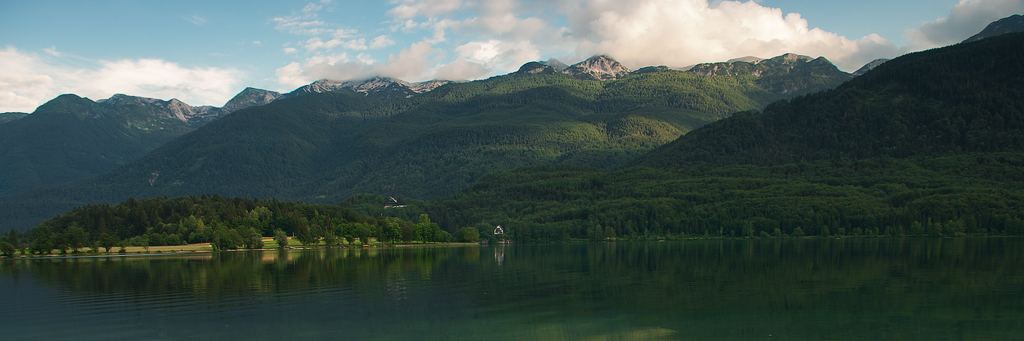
[413,8]
[500,35]
[679,33]
[498,55]
[967,18]
[381,42]
[412,64]
[28,80]
[464,40]
[462,70]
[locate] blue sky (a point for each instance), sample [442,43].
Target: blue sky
[204,52]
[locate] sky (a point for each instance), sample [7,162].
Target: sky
[205,52]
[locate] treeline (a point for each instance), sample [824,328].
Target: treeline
[226,223]
[884,196]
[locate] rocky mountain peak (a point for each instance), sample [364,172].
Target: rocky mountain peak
[376,86]
[869,66]
[599,68]
[555,63]
[172,108]
[250,97]
[747,59]
[536,67]
[788,58]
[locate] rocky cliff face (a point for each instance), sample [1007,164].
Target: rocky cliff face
[167,109]
[536,67]
[193,115]
[753,66]
[250,97]
[597,68]
[377,86]
[788,74]
[869,66]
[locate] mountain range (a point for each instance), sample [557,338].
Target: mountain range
[71,138]
[927,144]
[327,141]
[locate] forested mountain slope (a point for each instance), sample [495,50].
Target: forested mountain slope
[10,116]
[931,143]
[324,147]
[71,138]
[967,97]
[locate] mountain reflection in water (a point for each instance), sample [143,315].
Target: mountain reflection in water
[965,288]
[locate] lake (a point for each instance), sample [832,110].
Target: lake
[791,289]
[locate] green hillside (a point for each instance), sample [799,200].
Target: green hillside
[962,98]
[71,138]
[926,144]
[10,116]
[326,147]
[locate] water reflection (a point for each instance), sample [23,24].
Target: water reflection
[741,289]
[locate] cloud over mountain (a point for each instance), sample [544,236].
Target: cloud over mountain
[967,18]
[29,79]
[471,40]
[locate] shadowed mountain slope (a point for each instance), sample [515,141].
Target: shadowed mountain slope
[324,147]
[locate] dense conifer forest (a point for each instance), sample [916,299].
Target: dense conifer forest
[325,147]
[928,144]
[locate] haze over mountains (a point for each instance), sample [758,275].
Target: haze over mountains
[329,140]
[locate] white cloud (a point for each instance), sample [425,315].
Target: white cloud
[678,33]
[355,44]
[24,83]
[503,34]
[497,55]
[966,19]
[195,19]
[28,80]
[381,42]
[497,36]
[429,8]
[295,25]
[52,50]
[289,50]
[461,70]
[411,64]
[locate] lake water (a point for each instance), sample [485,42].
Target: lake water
[850,289]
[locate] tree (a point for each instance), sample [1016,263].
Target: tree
[107,241]
[302,232]
[42,239]
[798,232]
[391,232]
[7,249]
[281,238]
[468,235]
[253,239]
[363,233]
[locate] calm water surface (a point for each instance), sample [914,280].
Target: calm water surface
[850,289]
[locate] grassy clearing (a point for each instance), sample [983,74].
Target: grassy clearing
[268,244]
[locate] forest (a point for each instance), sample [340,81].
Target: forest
[325,147]
[225,223]
[928,144]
